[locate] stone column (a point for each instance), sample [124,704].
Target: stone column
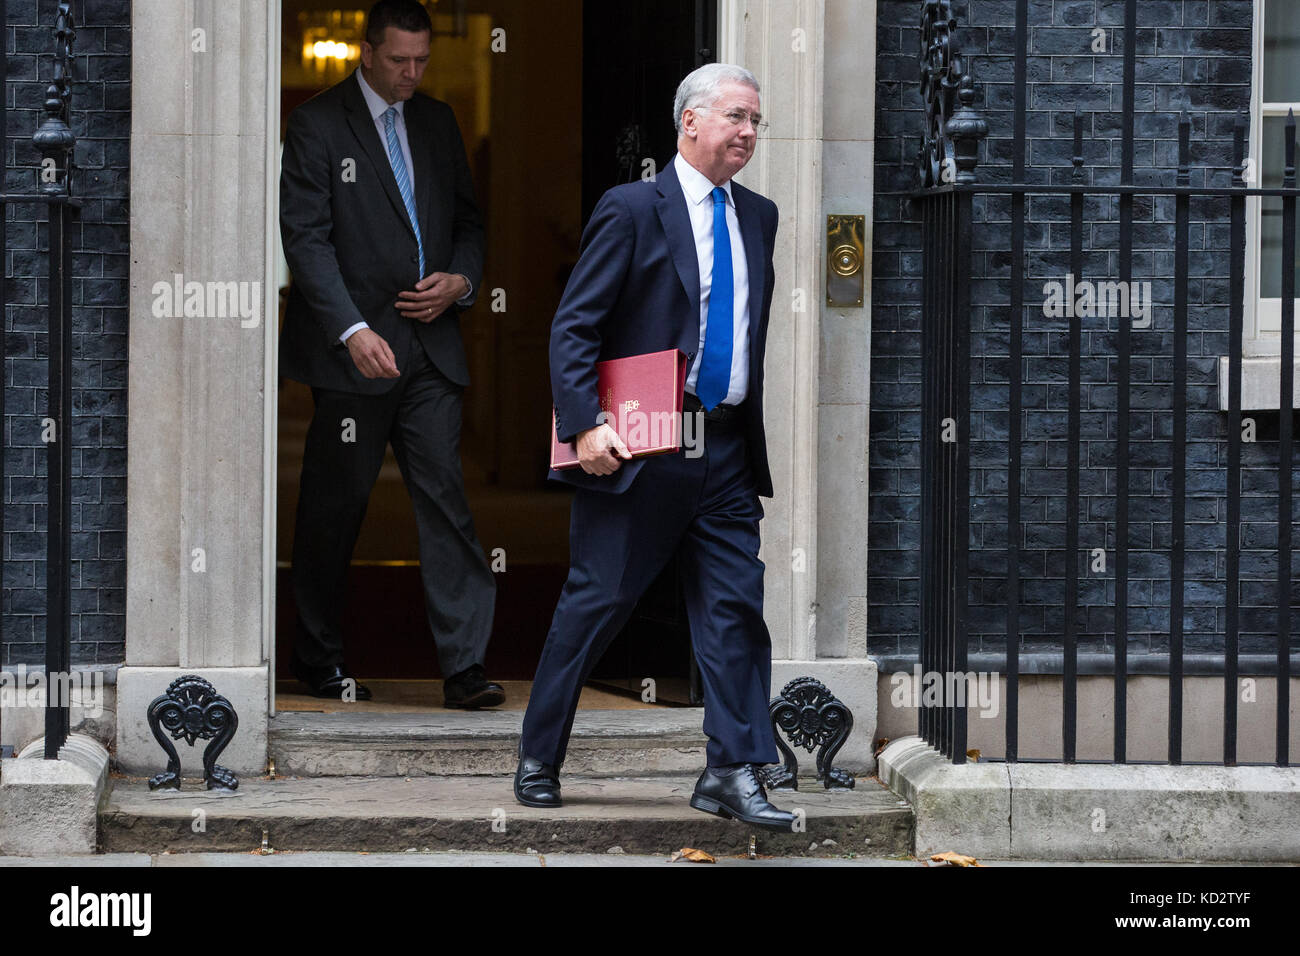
[815,62]
[205,90]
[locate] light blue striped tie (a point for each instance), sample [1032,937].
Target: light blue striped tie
[403,178]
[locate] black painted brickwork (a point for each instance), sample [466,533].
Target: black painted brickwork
[101,103]
[1193,56]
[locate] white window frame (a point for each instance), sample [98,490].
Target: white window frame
[1261,335]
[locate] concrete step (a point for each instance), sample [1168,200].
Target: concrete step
[604,743]
[469,813]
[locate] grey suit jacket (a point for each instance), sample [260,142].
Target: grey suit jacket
[349,242]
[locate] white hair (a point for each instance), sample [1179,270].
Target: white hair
[701,86]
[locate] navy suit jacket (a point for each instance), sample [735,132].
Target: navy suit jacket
[636,289]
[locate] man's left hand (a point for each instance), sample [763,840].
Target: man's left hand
[432,296]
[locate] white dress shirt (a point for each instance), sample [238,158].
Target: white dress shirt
[378,106]
[698,191]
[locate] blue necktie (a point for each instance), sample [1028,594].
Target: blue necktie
[714,380]
[398,162]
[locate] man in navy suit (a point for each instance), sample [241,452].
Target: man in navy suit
[682,262]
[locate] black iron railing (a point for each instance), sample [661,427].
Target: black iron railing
[948,160]
[54,140]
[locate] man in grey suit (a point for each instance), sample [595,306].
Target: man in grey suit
[385,243]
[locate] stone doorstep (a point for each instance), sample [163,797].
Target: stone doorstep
[467,813]
[604,743]
[1138,812]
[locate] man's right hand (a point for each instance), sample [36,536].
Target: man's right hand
[371,354]
[600,450]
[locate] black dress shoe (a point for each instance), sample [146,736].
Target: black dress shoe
[738,794]
[331,682]
[537,784]
[471,689]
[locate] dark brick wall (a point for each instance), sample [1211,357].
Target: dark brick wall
[1193,56]
[101,103]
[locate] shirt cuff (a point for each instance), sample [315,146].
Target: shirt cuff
[464,300]
[351,329]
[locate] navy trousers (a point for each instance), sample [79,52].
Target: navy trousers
[706,511]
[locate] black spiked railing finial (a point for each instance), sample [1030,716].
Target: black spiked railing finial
[965,130]
[1184,149]
[1288,171]
[950,145]
[1077,158]
[1238,149]
[55,139]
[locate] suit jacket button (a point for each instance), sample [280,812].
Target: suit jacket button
[415,258]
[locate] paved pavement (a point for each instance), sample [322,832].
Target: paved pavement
[418,858]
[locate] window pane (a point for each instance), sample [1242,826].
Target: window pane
[1281,51]
[1272,160]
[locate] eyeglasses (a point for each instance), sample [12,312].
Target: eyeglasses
[737,117]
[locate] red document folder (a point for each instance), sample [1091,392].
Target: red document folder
[641,396]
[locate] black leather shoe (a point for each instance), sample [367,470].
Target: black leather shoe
[739,795]
[537,784]
[331,682]
[471,689]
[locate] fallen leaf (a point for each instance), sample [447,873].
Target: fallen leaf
[955,859]
[691,856]
[881,744]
